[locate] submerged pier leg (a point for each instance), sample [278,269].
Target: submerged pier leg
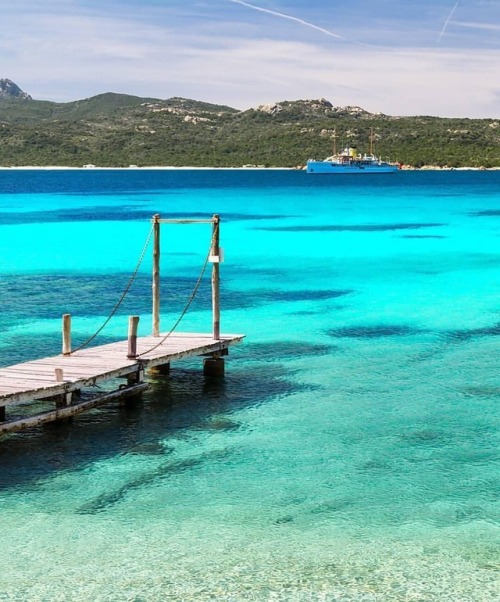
[214,366]
[163,370]
[135,378]
[133,390]
[64,400]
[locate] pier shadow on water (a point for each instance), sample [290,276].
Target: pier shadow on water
[178,405]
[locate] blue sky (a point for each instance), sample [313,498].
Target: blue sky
[405,57]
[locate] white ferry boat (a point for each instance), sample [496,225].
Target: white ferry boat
[349,161]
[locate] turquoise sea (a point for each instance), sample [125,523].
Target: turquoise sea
[350,453]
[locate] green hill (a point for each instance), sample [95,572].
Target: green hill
[120,130]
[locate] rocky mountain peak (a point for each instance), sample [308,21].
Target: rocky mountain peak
[8,89]
[312,108]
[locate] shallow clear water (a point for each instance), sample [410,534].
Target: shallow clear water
[351,452]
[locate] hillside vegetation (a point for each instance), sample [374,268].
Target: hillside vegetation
[120,130]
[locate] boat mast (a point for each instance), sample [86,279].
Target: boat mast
[334,136]
[371,141]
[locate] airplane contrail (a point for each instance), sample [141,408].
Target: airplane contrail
[290,18]
[450,16]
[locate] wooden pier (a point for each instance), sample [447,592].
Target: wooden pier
[77,380]
[61,379]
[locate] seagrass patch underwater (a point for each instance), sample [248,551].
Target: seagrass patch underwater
[350,452]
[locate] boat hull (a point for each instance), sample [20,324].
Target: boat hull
[327,167]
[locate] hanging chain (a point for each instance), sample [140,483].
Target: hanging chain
[192,296]
[124,294]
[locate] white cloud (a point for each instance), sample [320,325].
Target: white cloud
[494,27]
[66,57]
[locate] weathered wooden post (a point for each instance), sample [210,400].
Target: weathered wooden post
[215,258]
[135,377]
[214,365]
[66,334]
[156,275]
[64,399]
[133,323]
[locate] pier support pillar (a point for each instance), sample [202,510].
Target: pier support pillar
[163,370]
[135,378]
[2,413]
[64,400]
[214,367]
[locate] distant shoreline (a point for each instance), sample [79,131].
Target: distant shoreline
[135,167]
[242,168]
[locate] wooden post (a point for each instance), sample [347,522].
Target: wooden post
[64,400]
[135,378]
[215,277]
[214,366]
[66,334]
[156,275]
[162,370]
[133,323]
[2,414]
